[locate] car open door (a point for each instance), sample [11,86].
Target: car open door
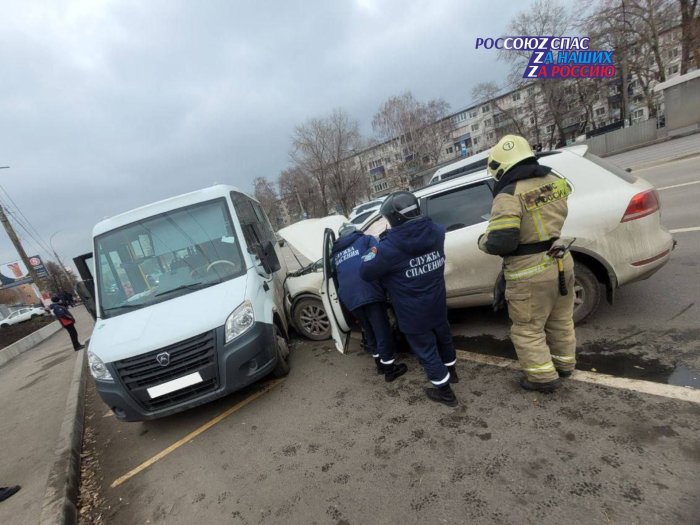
[86,286]
[340,330]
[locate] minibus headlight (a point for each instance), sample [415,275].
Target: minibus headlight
[240,321]
[98,369]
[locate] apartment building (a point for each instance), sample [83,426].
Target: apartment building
[588,108]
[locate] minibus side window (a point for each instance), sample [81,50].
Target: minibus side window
[254,229]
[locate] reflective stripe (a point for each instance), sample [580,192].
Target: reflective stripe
[516,275]
[540,369]
[539,224]
[565,358]
[453,363]
[442,381]
[503,223]
[375,355]
[409,208]
[391,362]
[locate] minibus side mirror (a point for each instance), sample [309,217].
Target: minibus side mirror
[268,257]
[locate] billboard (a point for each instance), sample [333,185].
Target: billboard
[15,273]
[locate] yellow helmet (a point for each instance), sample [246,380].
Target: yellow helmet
[510,150]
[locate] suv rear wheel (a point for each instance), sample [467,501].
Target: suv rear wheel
[588,292]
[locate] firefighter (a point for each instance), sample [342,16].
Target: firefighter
[409,261]
[366,300]
[528,213]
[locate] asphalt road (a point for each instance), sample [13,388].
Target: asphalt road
[335,444]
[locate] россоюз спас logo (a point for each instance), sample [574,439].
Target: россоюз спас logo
[556,56]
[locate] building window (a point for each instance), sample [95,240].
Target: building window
[449,150]
[475,127]
[460,118]
[638,114]
[475,141]
[672,70]
[375,164]
[473,114]
[549,129]
[600,112]
[485,109]
[487,122]
[532,121]
[489,135]
[516,96]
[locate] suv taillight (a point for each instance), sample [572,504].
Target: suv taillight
[641,205]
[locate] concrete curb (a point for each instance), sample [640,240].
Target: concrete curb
[28,342]
[59,506]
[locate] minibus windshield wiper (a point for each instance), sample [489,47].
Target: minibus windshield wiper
[199,284]
[123,307]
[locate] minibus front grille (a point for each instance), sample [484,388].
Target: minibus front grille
[196,354]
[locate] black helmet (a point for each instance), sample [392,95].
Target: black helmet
[399,207]
[55,298]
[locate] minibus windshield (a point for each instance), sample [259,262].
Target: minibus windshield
[167,255]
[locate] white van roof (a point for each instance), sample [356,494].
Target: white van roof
[477,160]
[179,201]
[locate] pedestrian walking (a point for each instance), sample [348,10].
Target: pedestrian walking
[528,213]
[67,321]
[409,261]
[366,300]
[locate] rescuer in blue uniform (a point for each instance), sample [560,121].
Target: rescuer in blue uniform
[410,262]
[366,300]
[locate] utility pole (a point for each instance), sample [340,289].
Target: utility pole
[18,246]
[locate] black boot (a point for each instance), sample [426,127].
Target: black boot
[564,373]
[380,370]
[454,378]
[393,371]
[547,387]
[6,492]
[442,394]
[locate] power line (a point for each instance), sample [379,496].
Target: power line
[24,216]
[37,243]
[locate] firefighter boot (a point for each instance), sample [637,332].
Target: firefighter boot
[548,387]
[454,378]
[564,373]
[442,394]
[393,371]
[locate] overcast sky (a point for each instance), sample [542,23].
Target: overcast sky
[109,105]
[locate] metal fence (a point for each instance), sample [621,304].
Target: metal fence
[618,140]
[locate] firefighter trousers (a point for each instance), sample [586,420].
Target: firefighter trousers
[543,325]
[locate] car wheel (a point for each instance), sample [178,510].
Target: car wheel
[588,292]
[4,325]
[282,367]
[311,320]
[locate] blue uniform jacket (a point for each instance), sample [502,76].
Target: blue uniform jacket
[410,262]
[346,255]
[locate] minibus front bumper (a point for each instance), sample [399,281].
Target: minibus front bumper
[222,368]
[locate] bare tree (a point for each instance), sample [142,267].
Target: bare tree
[323,147]
[301,193]
[266,194]
[310,151]
[544,17]
[420,129]
[690,34]
[490,92]
[59,279]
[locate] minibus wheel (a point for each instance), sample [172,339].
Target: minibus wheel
[282,367]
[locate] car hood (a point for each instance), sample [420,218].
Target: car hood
[166,323]
[306,236]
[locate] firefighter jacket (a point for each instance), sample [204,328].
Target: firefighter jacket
[529,207]
[346,256]
[410,262]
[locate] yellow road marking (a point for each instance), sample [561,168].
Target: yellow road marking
[637,385]
[206,426]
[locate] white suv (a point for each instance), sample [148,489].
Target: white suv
[614,216]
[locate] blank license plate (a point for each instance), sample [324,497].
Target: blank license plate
[175,384]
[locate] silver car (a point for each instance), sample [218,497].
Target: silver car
[614,216]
